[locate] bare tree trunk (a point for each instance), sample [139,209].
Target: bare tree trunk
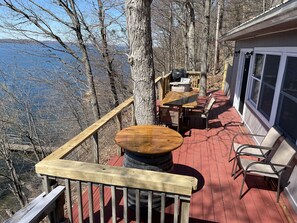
[108,61]
[218,28]
[170,56]
[191,57]
[141,60]
[71,11]
[15,183]
[204,48]
[185,41]
[105,53]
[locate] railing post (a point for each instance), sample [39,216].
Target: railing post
[58,213]
[96,147]
[47,188]
[46,184]
[184,209]
[59,210]
[119,127]
[163,85]
[133,115]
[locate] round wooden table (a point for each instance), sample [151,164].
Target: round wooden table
[148,147]
[149,139]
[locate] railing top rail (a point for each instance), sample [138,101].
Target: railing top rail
[118,176]
[193,72]
[87,133]
[161,77]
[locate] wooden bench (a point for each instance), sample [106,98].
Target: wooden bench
[40,207]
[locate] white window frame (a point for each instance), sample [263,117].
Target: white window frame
[256,78]
[252,105]
[288,53]
[283,52]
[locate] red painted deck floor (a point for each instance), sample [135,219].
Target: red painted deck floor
[204,155]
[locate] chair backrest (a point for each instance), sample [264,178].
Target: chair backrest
[284,153]
[209,105]
[169,115]
[271,137]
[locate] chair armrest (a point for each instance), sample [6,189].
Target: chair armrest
[240,151]
[243,134]
[272,165]
[281,165]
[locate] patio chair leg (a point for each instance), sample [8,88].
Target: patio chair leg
[234,167]
[244,176]
[278,189]
[229,158]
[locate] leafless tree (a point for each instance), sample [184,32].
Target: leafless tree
[204,48]
[138,15]
[190,48]
[10,173]
[220,13]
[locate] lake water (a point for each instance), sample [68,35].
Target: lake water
[31,70]
[27,68]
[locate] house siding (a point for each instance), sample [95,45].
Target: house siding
[284,39]
[251,119]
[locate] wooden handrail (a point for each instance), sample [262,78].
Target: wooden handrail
[118,176]
[87,133]
[40,207]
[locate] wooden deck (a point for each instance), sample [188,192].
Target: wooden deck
[204,154]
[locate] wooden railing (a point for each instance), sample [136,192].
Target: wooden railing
[65,168]
[45,204]
[163,86]
[118,180]
[195,77]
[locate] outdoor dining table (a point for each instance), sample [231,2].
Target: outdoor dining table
[182,99]
[185,101]
[148,147]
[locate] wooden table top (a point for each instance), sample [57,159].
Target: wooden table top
[149,139]
[183,99]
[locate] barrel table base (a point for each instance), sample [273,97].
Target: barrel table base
[155,162]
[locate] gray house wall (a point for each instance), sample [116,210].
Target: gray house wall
[287,39]
[253,122]
[272,40]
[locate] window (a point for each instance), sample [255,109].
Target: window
[256,77]
[263,82]
[287,108]
[268,84]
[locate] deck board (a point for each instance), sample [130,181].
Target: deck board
[204,154]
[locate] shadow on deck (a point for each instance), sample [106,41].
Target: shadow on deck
[204,155]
